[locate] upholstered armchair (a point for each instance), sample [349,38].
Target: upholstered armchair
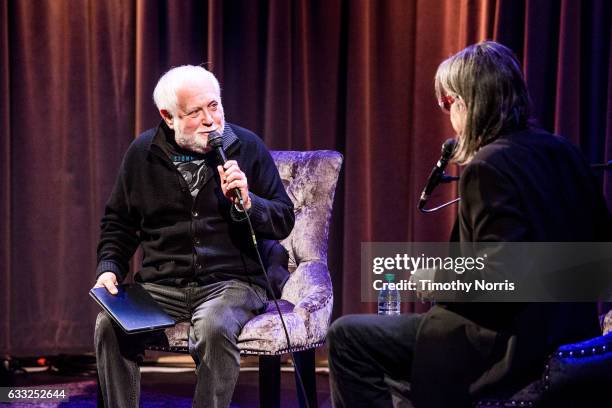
[306,302]
[575,375]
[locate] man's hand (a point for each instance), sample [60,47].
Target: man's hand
[232,177]
[107,280]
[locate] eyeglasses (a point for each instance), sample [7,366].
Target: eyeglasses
[445,102]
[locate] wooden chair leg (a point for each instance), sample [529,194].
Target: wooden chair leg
[269,381]
[305,365]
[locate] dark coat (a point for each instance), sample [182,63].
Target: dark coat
[183,238]
[528,186]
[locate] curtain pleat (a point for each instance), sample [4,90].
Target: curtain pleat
[5,180]
[76,83]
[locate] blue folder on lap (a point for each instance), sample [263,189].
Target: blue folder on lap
[133,308]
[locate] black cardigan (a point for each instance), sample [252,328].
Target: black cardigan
[185,239]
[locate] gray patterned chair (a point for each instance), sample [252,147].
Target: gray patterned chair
[306,302]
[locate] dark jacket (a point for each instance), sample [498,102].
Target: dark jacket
[524,187]
[185,239]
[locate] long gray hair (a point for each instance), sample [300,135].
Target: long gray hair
[487,77]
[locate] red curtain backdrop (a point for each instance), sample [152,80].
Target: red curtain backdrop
[76,79]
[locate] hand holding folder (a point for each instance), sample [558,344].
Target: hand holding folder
[132,308]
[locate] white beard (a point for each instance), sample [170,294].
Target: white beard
[193,142]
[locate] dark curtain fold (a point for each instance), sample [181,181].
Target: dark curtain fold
[166,34]
[71,108]
[5,183]
[76,79]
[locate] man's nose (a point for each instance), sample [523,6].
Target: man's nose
[207,119]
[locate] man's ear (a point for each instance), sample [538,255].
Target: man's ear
[167,117]
[461,105]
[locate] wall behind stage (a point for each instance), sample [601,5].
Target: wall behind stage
[76,79]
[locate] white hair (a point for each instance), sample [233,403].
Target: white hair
[164,93]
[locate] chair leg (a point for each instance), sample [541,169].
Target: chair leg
[269,381]
[7,372]
[305,365]
[99,398]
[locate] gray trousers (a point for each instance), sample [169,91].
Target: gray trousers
[217,313]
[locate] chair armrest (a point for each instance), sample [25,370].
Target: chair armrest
[309,288]
[579,364]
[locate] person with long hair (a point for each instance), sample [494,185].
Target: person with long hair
[519,184]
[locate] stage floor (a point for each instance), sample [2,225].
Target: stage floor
[169,381]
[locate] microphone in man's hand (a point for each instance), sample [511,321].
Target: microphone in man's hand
[437,172]
[216,142]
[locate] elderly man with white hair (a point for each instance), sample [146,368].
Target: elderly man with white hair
[174,199]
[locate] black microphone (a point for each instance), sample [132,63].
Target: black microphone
[437,173]
[216,142]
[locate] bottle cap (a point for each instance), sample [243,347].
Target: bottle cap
[389,277]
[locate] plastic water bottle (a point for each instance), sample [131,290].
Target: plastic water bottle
[389,300]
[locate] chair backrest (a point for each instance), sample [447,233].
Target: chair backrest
[310,180]
[607,322]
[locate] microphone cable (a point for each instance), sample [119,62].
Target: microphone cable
[280,315]
[430,210]
[216,142]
